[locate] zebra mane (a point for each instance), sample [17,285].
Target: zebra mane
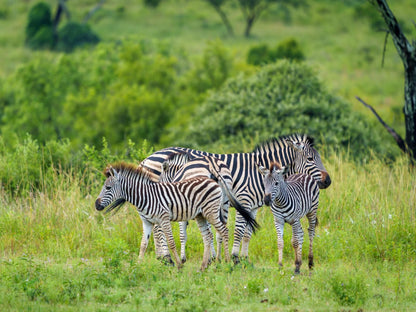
[175,154]
[127,168]
[278,141]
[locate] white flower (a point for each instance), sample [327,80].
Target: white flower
[266,290]
[390,216]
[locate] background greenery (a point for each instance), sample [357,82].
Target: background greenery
[172,75]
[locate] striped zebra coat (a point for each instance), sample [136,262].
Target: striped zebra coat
[293,151]
[182,165]
[161,203]
[291,199]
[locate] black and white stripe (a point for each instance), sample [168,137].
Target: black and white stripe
[160,203]
[296,151]
[290,200]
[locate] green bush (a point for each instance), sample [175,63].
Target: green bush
[152,3]
[74,35]
[280,99]
[287,49]
[39,29]
[259,55]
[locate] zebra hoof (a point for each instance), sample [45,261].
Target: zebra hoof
[183,260]
[235,259]
[167,260]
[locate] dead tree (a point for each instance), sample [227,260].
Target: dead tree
[407,53]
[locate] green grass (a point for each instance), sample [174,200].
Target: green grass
[58,253]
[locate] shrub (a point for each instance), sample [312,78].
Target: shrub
[152,3]
[280,99]
[39,29]
[288,49]
[259,55]
[74,35]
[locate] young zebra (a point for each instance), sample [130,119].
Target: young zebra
[295,151]
[290,200]
[182,165]
[161,203]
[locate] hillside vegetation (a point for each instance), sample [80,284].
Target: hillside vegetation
[172,75]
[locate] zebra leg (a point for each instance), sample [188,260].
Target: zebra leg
[222,231]
[219,242]
[279,225]
[313,220]
[183,237]
[147,230]
[161,246]
[240,227]
[247,237]
[207,237]
[297,241]
[167,229]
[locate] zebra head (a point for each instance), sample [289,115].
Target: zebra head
[273,179]
[111,195]
[308,161]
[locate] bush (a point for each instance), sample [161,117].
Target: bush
[287,49]
[74,35]
[280,99]
[259,55]
[39,29]
[152,3]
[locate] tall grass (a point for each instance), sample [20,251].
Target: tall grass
[57,252]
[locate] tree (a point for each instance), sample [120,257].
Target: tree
[252,9]
[217,5]
[407,53]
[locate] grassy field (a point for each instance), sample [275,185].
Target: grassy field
[58,253]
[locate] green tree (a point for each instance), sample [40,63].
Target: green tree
[252,10]
[218,7]
[279,99]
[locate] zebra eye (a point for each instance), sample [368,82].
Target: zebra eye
[108,187]
[310,158]
[276,183]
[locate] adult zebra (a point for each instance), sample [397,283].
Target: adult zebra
[290,200]
[247,181]
[161,203]
[180,166]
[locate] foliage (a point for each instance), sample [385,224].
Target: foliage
[74,35]
[59,253]
[152,3]
[287,49]
[39,29]
[280,99]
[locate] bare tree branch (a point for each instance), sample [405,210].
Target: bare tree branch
[400,142]
[93,10]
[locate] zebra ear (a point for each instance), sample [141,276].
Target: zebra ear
[115,174]
[299,147]
[264,171]
[165,166]
[285,170]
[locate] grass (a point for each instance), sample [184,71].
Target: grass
[58,253]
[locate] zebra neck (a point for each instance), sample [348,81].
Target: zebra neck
[137,189]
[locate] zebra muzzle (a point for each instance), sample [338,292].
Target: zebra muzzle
[267,199]
[98,205]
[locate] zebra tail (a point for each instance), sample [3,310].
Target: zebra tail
[245,213]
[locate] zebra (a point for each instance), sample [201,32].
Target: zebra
[290,200]
[160,203]
[182,165]
[293,151]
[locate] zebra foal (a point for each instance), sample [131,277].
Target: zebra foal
[290,200]
[161,203]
